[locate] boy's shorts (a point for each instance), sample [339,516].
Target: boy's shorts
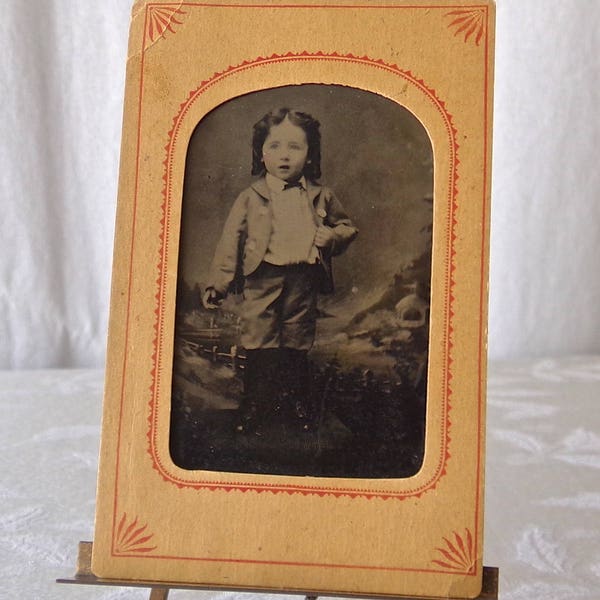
[280,307]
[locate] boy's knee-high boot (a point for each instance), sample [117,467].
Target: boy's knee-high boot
[261,386]
[249,404]
[297,384]
[267,380]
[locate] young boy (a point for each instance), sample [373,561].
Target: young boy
[279,238]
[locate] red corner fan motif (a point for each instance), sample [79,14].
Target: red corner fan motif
[468,23]
[457,555]
[162,19]
[132,538]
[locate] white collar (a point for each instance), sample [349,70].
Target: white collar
[277,185]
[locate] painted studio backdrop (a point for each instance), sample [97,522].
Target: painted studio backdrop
[368,366]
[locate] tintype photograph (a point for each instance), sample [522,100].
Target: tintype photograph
[303,287]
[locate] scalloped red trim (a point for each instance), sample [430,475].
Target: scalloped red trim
[160,282]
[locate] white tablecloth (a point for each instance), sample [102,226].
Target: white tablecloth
[542,500]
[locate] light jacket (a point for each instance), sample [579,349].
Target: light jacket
[247,232]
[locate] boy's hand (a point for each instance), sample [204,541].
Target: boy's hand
[324,237]
[212,299]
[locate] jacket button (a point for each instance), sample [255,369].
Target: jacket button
[251,245]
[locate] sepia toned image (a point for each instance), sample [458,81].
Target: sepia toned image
[303,287]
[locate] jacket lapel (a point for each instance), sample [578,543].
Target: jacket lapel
[313,190]
[262,189]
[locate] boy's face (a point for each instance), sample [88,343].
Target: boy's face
[285,151]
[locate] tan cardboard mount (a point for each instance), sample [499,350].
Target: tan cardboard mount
[160,591]
[418,536]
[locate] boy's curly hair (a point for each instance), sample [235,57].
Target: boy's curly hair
[312,167]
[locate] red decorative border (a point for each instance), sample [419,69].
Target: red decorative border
[161,282]
[448,316]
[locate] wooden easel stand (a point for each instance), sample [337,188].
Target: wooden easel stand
[160,591]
